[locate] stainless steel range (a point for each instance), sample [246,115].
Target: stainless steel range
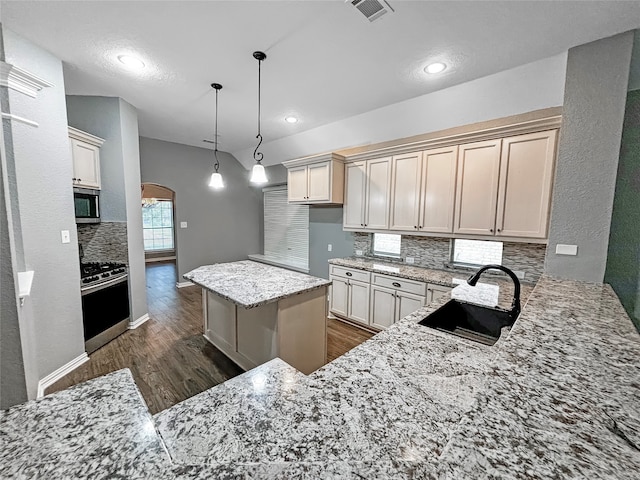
[105,302]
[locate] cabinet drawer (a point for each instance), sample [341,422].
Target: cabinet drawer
[409,286]
[350,273]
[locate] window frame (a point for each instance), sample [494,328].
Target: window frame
[172,227]
[457,263]
[384,253]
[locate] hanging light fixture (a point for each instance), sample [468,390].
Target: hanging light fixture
[258,174]
[216,178]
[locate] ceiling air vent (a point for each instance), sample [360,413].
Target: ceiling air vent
[372,9]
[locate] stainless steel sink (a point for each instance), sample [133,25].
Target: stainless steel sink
[480,324]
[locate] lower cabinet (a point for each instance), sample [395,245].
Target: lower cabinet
[378,300]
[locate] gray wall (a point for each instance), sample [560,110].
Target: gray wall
[623,262]
[51,319]
[223,225]
[132,188]
[594,102]
[325,227]
[116,122]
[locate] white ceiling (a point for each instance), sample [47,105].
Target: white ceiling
[326,61]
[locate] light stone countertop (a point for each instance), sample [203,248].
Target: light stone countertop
[252,284]
[556,397]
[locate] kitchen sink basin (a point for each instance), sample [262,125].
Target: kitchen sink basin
[480,324]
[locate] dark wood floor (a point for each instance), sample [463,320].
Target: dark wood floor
[169,358]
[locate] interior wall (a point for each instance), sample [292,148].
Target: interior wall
[222,225]
[623,260]
[526,88]
[588,151]
[51,316]
[325,227]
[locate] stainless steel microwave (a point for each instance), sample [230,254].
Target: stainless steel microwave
[87,205]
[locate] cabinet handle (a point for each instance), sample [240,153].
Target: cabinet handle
[420,226]
[415,226]
[499,230]
[73,179]
[365,224]
[491,230]
[396,284]
[79,179]
[349,274]
[362,224]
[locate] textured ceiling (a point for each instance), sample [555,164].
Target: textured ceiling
[325,60]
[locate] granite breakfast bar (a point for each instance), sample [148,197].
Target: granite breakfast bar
[555,397]
[255,312]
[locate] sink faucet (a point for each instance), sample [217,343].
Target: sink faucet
[515,305]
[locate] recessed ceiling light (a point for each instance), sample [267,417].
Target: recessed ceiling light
[131,62]
[435,67]
[291,119]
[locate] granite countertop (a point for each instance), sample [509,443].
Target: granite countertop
[252,284]
[556,397]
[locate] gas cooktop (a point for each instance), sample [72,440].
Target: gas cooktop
[97,272]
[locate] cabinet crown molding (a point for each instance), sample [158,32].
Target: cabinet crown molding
[314,159]
[85,137]
[21,80]
[529,126]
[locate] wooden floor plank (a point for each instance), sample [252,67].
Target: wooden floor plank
[169,358]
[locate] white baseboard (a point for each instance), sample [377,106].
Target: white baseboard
[135,324]
[184,284]
[56,375]
[159,259]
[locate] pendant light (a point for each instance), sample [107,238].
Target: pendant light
[216,178]
[258,175]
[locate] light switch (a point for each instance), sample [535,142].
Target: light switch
[409,259]
[566,249]
[183,224]
[329,247]
[64,234]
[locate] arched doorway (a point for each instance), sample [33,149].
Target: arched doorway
[158,225]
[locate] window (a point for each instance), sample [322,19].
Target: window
[386,244]
[157,226]
[286,229]
[476,252]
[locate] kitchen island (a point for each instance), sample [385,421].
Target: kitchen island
[255,312]
[556,397]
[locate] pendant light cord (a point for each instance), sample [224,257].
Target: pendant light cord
[215,150]
[258,156]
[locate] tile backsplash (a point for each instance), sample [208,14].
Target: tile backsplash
[103,242]
[434,252]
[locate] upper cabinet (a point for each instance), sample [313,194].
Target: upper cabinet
[318,179]
[367,192]
[423,190]
[498,186]
[85,152]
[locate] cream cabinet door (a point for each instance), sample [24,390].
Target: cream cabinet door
[477,187]
[405,191]
[339,296]
[319,181]
[439,167]
[86,164]
[526,176]
[358,301]
[434,292]
[297,184]
[383,307]
[407,303]
[355,192]
[378,192]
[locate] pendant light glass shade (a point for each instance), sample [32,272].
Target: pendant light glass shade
[216,178]
[216,181]
[258,174]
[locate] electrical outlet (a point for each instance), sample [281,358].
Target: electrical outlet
[329,247]
[359,253]
[409,260]
[183,224]
[64,234]
[520,274]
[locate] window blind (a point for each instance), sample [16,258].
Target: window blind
[286,229]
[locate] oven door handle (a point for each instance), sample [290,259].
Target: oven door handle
[100,286]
